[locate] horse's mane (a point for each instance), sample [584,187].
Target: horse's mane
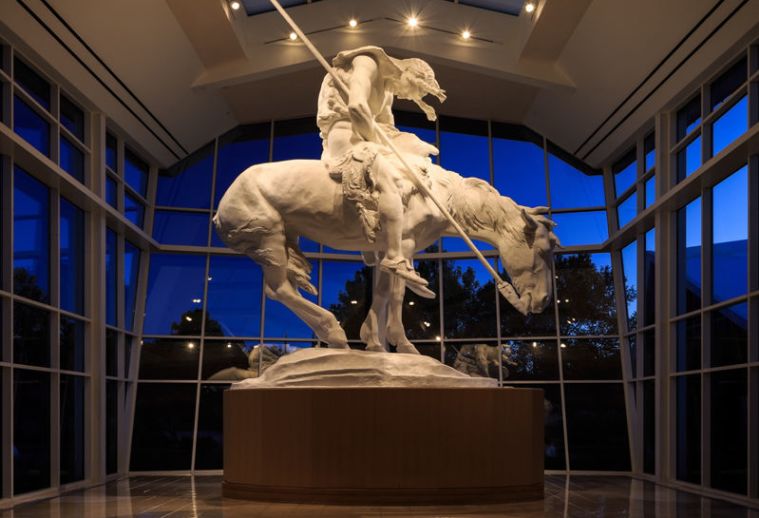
[478,206]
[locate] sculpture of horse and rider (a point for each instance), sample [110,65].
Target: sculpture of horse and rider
[357,197]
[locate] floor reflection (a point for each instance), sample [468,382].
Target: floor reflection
[576,496]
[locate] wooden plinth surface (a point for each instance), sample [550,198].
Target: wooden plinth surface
[384,445]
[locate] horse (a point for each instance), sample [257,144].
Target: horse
[269,206]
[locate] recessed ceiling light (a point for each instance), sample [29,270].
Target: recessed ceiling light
[234,5]
[529,7]
[412,21]
[293,36]
[466,34]
[353,22]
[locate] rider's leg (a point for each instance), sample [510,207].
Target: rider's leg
[390,206]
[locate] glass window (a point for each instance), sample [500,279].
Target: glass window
[223,359]
[188,182]
[111,352]
[416,123]
[649,353]
[421,317]
[729,335]
[597,427]
[572,187]
[296,139]
[163,427]
[585,294]
[31,126]
[209,451]
[689,117]
[111,277]
[688,428]
[581,228]
[468,300]
[72,344]
[111,426]
[627,210]
[689,159]
[649,278]
[464,147]
[131,271]
[727,83]
[729,423]
[591,359]
[31,430]
[530,360]
[519,169]
[175,291]
[72,159]
[730,236]
[72,117]
[625,171]
[31,335]
[649,427]
[688,354]
[111,192]
[134,210]
[479,360]
[172,227]
[71,257]
[513,323]
[169,359]
[238,150]
[649,151]
[650,191]
[630,269]
[730,125]
[32,83]
[689,257]
[31,231]
[111,152]
[136,173]
[72,429]
[234,297]
[346,292]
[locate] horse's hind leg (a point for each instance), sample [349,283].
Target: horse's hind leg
[278,287]
[377,316]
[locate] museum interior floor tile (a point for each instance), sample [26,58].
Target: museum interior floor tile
[200,496]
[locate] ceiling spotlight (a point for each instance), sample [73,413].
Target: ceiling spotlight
[563,345]
[188,318]
[353,22]
[437,338]
[354,302]
[412,21]
[191,345]
[466,35]
[534,344]
[411,303]
[293,36]
[229,345]
[234,5]
[529,7]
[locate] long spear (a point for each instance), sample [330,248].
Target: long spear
[504,287]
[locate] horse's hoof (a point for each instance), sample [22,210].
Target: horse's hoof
[339,346]
[376,348]
[406,349]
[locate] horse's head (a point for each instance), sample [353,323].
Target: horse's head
[526,251]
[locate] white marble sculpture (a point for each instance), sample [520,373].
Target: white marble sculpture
[358,197]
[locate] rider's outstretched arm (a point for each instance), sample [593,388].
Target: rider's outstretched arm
[364,75]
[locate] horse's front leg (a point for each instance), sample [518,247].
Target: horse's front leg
[396,333]
[377,316]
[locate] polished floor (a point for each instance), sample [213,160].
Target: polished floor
[179,497]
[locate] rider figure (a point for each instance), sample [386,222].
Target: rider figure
[370,174]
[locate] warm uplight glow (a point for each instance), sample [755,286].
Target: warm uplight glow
[353,22]
[466,35]
[411,303]
[427,324]
[293,36]
[188,318]
[412,21]
[534,344]
[229,346]
[563,346]
[529,7]
[354,302]
[437,338]
[191,345]
[234,5]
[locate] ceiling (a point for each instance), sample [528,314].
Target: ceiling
[173,74]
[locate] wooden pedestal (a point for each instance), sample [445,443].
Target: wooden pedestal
[384,445]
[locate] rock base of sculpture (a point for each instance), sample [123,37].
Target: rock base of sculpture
[384,445]
[323,367]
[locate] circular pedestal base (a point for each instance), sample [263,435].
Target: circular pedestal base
[384,445]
